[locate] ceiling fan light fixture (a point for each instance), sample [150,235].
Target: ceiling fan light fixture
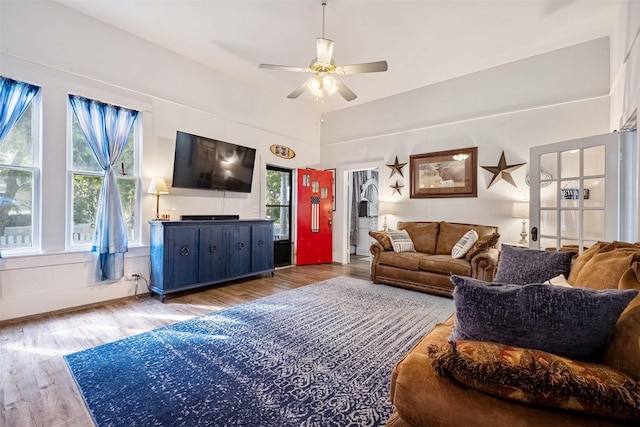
[325,70]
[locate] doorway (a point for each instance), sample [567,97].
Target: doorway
[363,212]
[278,204]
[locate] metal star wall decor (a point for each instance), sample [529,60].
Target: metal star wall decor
[397,188]
[396,167]
[502,171]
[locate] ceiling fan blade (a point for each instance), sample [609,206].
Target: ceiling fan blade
[346,93]
[284,68]
[325,50]
[367,67]
[297,91]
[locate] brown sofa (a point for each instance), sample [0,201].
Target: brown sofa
[421,397]
[430,267]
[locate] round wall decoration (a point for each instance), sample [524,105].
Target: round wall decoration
[282,151]
[543,177]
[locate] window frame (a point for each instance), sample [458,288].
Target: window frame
[135,176]
[36,188]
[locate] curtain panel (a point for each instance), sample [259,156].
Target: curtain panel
[107,129]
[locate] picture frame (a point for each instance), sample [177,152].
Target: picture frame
[451,173]
[333,194]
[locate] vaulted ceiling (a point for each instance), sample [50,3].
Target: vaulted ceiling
[424,41]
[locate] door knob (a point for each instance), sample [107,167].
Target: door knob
[534,234]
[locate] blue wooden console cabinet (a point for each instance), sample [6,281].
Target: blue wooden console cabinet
[191,254]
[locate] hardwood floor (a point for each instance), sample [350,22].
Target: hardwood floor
[37,389]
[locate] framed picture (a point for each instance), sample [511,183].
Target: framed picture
[333,181]
[452,173]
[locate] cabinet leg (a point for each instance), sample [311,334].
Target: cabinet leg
[273,273]
[163,298]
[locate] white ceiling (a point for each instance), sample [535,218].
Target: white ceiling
[424,41]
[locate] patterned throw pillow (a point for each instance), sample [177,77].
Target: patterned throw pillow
[538,377]
[521,266]
[464,244]
[569,322]
[383,238]
[401,241]
[483,243]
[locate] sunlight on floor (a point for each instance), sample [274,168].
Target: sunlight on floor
[37,350]
[176,317]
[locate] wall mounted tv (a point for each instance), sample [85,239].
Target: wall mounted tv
[211,164]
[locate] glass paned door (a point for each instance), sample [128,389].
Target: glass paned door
[574,192]
[278,204]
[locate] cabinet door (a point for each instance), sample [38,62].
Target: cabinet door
[181,248]
[239,250]
[262,247]
[213,254]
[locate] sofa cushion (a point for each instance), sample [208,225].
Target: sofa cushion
[423,234]
[465,243]
[401,241]
[449,235]
[404,260]
[605,267]
[570,322]
[383,238]
[484,243]
[582,259]
[622,352]
[539,377]
[521,266]
[444,264]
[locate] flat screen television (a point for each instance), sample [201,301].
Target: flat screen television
[212,164]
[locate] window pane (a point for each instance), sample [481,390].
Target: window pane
[569,163]
[17,148]
[280,215]
[16,203]
[594,224]
[594,160]
[86,192]
[548,222]
[593,194]
[84,160]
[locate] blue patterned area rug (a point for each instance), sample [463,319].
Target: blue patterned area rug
[319,355]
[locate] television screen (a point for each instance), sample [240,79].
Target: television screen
[212,164]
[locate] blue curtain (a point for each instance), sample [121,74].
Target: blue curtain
[15,97]
[107,128]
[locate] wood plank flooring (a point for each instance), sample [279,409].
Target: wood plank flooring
[37,389]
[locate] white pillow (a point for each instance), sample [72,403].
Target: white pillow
[464,244]
[559,280]
[401,241]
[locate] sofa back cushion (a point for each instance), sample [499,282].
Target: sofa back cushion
[605,267]
[423,234]
[622,352]
[451,232]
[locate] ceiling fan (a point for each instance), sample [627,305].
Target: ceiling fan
[325,70]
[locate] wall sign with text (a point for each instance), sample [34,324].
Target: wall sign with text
[282,151]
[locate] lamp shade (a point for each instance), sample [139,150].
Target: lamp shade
[386,208]
[520,210]
[158,186]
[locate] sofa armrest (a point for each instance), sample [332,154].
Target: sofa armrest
[484,264]
[376,249]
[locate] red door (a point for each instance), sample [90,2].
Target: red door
[315,195]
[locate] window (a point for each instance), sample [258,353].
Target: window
[86,178]
[20,183]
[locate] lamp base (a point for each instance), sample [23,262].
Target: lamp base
[523,234]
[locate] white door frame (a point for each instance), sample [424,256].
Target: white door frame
[342,211]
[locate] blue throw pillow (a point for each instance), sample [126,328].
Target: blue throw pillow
[521,266]
[569,322]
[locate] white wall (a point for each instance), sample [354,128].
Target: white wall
[548,98]
[66,52]
[625,64]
